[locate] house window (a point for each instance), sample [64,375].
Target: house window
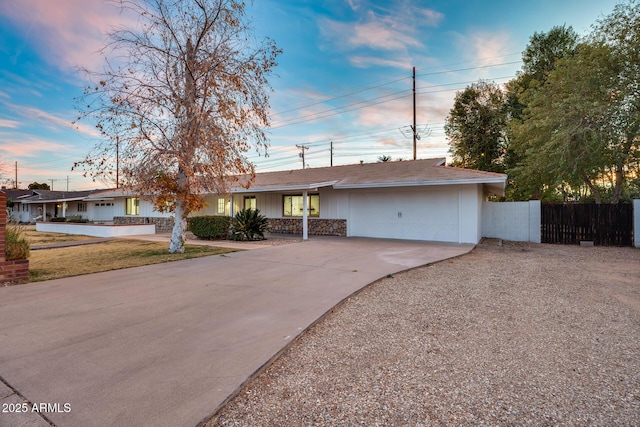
[25,208]
[132,206]
[82,207]
[250,202]
[221,206]
[292,205]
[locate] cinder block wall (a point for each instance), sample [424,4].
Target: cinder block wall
[515,221]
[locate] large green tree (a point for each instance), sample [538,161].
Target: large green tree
[183,97]
[618,35]
[539,59]
[581,125]
[38,186]
[475,127]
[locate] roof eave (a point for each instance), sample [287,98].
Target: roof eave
[497,180]
[38,201]
[279,188]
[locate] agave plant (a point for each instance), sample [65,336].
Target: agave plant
[248,224]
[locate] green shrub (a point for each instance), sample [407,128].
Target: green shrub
[248,224]
[77,220]
[210,227]
[58,219]
[17,243]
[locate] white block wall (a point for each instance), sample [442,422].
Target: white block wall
[515,221]
[96,230]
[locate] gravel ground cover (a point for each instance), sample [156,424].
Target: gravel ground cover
[518,334]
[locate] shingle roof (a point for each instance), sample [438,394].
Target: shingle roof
[44,196]
[382,174]
[14,195]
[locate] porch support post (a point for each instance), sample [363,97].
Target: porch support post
[64,209]
[231,206]
[44,212]
[305,217]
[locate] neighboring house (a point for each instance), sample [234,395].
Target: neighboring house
[418,200]
[42,205]
[18,211]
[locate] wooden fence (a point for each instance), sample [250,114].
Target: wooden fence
[604,225]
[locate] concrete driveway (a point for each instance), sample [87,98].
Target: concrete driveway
[165,345]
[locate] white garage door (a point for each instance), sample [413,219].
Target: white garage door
[415,215]
[103,211]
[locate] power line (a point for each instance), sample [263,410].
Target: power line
[338,110]
[406,78]
[343,109]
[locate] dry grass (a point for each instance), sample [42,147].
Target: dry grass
[112,255]
[43,238]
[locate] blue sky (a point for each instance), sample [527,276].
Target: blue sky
[344,76]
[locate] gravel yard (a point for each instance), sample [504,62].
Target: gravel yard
[519,334]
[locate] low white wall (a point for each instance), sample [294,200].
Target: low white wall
[96,230]
[515,221]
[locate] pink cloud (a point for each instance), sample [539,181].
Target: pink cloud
[30,146]
[386,33]
[432,17]
[51,120]
[68,33]
[365,61]
[12,124]
[485,48]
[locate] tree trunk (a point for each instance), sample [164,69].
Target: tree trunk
[179,229]
[180,214]
[594,189]
[617,188]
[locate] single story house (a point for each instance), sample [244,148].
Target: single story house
[417,200]
[42,205]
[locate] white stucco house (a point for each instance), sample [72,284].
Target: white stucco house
[417,200]
[42,205]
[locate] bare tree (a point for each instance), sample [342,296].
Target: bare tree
[182,98]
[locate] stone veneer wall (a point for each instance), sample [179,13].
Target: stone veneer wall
[163,225]
[10,271]
[317,226]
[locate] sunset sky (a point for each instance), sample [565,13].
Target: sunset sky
[344,76]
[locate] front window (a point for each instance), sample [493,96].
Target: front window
[132,206]
[292,205]
[250,202]
[82,207]
[221,206]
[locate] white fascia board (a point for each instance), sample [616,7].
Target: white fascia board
[279,188]
[421,183]
[39,202]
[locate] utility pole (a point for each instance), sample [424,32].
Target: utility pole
[331,154]
[302,148]
[16,182]
[415,130]
[52,183]
[67,182]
